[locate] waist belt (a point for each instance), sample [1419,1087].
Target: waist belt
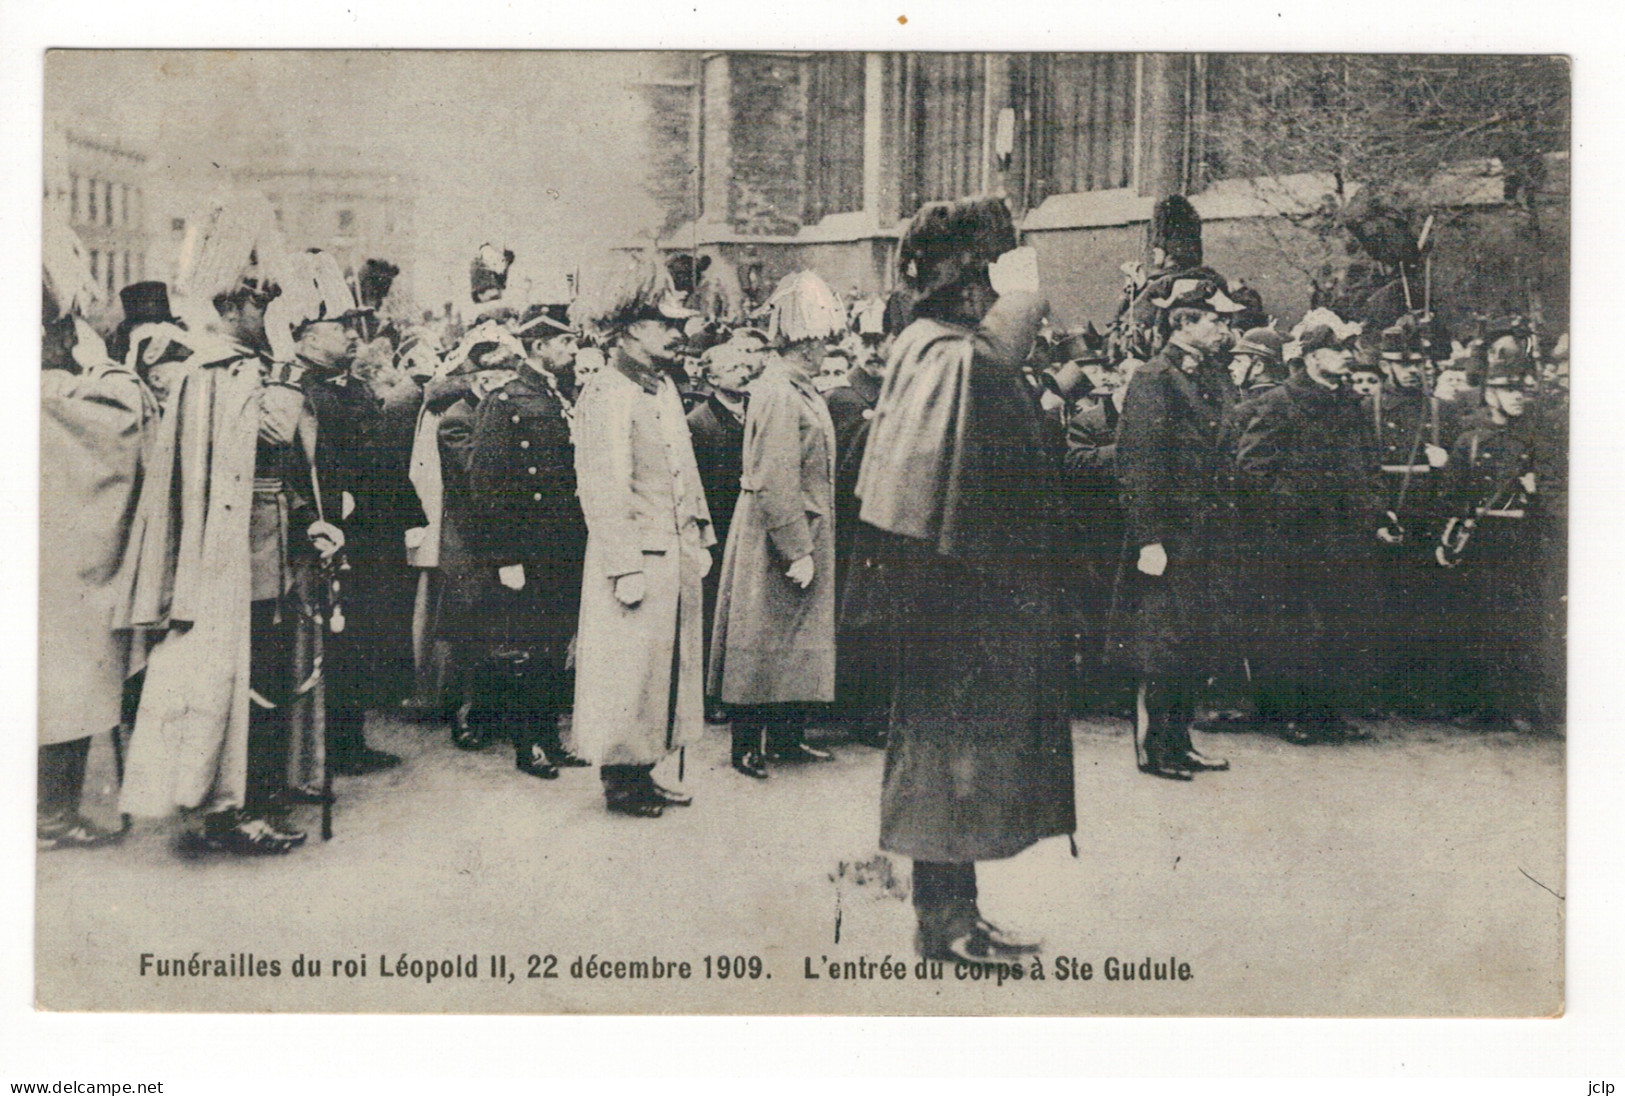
[268,485]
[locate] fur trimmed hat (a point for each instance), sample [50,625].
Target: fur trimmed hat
[947,241]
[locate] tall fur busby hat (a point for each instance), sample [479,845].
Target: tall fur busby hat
[946,242]
[374,281]
[686,270]
[1176,228]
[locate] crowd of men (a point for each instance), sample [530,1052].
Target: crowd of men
[932,520]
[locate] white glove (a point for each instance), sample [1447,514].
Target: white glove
[346,505]
[1528,482]
[1437,457]
[630,588]
[325,538]
[801,572]
[416,537]
[1393,532]
[512,576]
[1153,560]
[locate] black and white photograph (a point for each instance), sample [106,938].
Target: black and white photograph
[747,532]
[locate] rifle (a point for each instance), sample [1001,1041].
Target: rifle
[1458,533]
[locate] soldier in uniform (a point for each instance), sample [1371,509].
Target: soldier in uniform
[639,665]
[1174,471]
[227,544]
[348,418]
[1307,453]
[96,418]
[773,643]
[1493,534]
[525,524]
[1413,430]
[1255,362]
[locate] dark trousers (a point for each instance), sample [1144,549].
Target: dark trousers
[621,781]
[526,699]
[1170,706]
[942,889]
[270,675]
[61,778]
[777,726]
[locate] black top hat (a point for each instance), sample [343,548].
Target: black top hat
[146,302]
[1086,347]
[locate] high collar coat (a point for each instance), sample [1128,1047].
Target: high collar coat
[645,510]
[773,642]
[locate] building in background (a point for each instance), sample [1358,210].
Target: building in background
[103,187]
[778,161]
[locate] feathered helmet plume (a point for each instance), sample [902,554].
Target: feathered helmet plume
[237,246]
[804,307]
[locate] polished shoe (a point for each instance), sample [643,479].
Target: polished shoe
[363,762]
[564,759]
[801,752]
[245,836]
[1197,761]
[279,825]
[637,804]
[533,761]
[970,944]
[1167,769]
[469,738]
[72,831]
[668,797]
[1007,942]
[751,763]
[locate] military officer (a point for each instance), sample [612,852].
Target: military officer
[1174,472]
[527,526]
[1493,534]
[1413,430]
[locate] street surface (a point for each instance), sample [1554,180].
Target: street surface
[1416,874]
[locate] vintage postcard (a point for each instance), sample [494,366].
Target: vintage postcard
[803,533]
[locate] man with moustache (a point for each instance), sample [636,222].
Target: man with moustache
[1308,454]
[1174,471]
[639,665]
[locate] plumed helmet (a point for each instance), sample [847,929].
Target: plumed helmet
[947,241]
[314,290]
[488,273]
[237,246]
[1176,228]
[641,289]
[804,307]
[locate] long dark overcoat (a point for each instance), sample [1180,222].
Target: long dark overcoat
[1308,453]
[1175,473]
[958,499]
[523,511]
